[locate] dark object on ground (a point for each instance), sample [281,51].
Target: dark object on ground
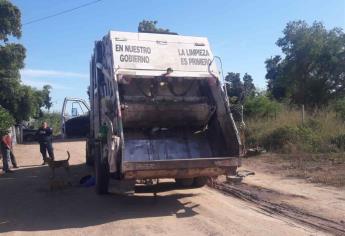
[254,151]
[240,175]
[84,179]
[87,181]
[78,126]
[245,173]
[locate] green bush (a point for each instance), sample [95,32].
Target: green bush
[260,106]
[6,121]
[279,137]
[302,138]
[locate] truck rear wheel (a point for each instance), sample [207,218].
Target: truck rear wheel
[101,171]
[184,182]
[199,182]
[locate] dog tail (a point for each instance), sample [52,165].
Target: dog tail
[68,155]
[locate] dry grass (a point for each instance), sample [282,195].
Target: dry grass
[308,153]
[315,168]
[321,128]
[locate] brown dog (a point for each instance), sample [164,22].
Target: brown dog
[58,164]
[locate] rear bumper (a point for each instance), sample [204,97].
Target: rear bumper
[180,168]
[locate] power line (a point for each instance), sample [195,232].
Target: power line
[61,12]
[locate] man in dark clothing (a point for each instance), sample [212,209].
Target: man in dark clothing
[44,136]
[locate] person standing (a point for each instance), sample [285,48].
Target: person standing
[13,159]
[6,146]
[45,138]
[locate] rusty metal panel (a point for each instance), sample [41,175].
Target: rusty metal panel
[176,173]
[220,162]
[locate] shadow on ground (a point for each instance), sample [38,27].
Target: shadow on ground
[27,204]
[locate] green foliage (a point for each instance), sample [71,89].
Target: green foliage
[238,90]
[44,95]
[260,106]
[286,138]
[313,69]
[52,118]
[234,87]
[6,121]
[275,84]
[21,101]
[149,26]
[340,109]
[279,137]
[9,21]
[248,85]
[30,103]
[12,57]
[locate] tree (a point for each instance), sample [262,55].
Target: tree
[10,21]
[11,57]
[21,101]
[248,86]
[235,87]
[260,105]
[6,121]
[238,90]
[313,69]
[47,100]
[275,85]
[149,26]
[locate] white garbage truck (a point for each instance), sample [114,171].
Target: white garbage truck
[158,109]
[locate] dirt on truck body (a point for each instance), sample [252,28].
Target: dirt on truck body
[158,110]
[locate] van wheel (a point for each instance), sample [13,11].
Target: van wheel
[185,182]
[199,182]
[101,171]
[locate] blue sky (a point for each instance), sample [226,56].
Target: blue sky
[242,33]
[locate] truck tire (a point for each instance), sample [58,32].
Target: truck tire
[101,171]
[199,182]
[184,182]
[90,156]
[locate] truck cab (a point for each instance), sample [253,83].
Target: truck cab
[158,110]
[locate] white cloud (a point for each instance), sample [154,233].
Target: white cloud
[34,73]
[39,84]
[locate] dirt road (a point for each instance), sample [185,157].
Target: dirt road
[28,207]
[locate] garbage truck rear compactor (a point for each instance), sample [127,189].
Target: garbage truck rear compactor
[158,110]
